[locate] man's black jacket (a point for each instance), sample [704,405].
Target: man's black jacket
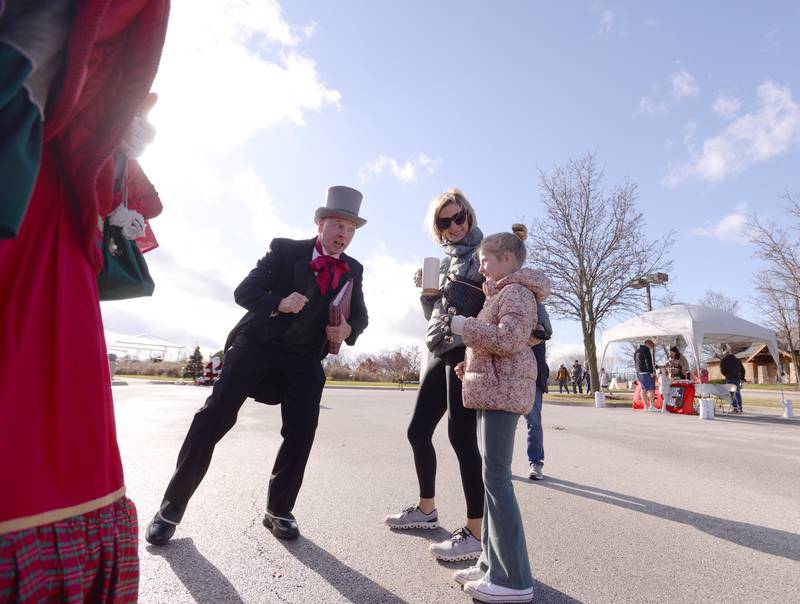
[283,270]
[643,358]
[731,367]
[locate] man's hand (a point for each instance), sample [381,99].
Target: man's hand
[339,333]
[418,278]
[293,303]
[459,370]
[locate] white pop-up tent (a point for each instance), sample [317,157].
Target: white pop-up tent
[697,325]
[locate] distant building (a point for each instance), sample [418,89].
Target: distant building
[759,366]
[147,347]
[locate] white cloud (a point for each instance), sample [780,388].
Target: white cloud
[248,93]
[606,21]
[771,129]
[730,227]
[726,106]
[405,172]
[688,131]
[265,220]
[395,314]
[684,85]
[218,214]
[651,106]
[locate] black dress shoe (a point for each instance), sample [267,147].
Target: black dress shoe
[159,531]
[283,526]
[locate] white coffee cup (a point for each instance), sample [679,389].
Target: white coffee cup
[430,276]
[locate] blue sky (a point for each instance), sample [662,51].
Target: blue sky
[264,105]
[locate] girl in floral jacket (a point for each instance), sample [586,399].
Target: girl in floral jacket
[499,381]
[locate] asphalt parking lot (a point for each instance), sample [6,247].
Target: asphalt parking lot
[635,507]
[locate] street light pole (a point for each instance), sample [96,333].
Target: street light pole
[648,280]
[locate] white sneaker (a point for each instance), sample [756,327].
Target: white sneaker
[413,517]
[472,573]
[483,591]
[462,545]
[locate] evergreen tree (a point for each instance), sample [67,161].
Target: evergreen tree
[194,366]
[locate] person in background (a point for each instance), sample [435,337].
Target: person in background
[603,377]
[733,370]
[677,365]
[577,377]
[75,76]
[587,377]
[543,331]
[664,387]
[645,369]
[562,377]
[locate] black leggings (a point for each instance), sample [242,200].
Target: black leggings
[440,391]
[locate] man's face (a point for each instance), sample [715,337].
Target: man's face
[336,234]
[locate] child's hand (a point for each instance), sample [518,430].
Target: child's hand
[459,370]
[457,324]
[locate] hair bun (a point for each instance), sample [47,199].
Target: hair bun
[520,230]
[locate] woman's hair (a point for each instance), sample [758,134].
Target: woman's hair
[507,243]
[455,196]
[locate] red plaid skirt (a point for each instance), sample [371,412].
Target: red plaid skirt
[88,558]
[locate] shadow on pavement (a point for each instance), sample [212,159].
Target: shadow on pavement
[545,593]
[758,419]
[205,582]
[435,535]
[760,538]
[353,586]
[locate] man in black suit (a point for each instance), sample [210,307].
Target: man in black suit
[273,354]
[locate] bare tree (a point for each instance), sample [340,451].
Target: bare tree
[402,364]
[720,301]
[592,245]
[338,366]
[782,313]
[778,246]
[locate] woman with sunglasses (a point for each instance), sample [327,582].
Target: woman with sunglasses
[452,223]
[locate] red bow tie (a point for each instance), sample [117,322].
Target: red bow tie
[324,266]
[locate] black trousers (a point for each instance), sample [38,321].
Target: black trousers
[440,391]
[300,383]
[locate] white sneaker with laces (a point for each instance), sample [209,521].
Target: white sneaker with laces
[462,545]
[413,517]
[483,591]
[472,573]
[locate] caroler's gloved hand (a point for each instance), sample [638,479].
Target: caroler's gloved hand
[140,134]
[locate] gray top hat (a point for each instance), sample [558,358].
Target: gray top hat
[341,202]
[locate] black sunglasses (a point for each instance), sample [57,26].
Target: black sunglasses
[459,219]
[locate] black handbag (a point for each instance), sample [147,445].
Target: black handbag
[465,296]
[125,273]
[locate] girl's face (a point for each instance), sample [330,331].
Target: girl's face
[452,221]
[496,266]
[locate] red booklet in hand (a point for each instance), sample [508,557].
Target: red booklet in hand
[339,308]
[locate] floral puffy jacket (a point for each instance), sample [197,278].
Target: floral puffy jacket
[499,367]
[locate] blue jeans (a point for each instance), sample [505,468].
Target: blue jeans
[504,558]
[737,396]
[535,434]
